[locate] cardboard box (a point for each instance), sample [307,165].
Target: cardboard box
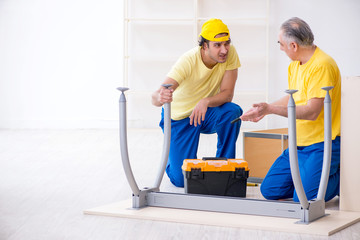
[261,149]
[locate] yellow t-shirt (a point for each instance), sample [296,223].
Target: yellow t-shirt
[196,81]
[320,71]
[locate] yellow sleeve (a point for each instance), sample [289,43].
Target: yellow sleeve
[180,70]
[233,61]
[290,70]
[323,76]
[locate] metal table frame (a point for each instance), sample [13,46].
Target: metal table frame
[306,211]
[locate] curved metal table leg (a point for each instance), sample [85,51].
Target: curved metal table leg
[294,164]
[123,143]
[312,209]
[166,143]
[327,145]
[139,196]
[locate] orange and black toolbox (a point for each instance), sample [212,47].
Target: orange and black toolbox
[216,176]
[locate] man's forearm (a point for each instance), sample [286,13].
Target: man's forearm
[220,98]
[278,110]
[309,111]
[279,107]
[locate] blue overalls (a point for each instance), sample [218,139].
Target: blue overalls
[278,183]
[185,137]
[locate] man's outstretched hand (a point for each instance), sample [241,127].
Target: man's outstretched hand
[256,113]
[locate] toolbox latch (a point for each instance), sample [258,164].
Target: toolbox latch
[195,173]
[241,173]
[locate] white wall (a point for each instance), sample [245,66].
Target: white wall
[335,25]
[60,61]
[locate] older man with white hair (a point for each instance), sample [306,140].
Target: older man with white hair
[310,70]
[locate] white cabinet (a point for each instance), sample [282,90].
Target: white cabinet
[350,151]
[158,32]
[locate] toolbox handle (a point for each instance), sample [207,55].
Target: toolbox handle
[214,158]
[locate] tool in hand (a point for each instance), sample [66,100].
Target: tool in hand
[235,120]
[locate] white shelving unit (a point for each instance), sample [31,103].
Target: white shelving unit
[158,32]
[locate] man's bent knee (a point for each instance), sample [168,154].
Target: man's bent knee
[177,182]
[176,178]
[266,192]
[233,108]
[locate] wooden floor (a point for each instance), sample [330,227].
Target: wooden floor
[49,177]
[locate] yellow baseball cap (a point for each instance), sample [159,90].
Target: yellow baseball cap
[213,27]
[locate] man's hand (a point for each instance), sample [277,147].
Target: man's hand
[198,114]
[256,113]
[165,95]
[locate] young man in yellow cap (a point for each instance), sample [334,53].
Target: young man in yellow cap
[310,70]
[203,82]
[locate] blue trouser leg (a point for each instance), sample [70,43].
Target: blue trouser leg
[183,144]
[278,183]
[185,138]
[218,120]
